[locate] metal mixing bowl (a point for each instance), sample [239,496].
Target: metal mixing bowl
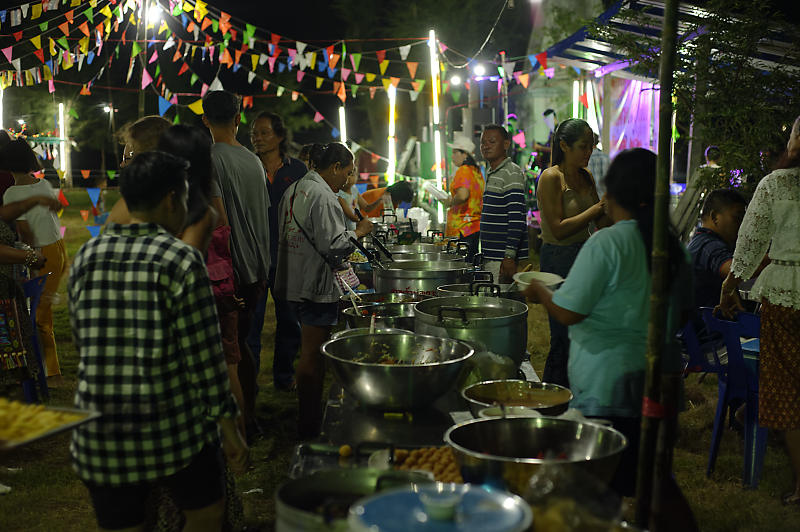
[507,451]
[365,330]
[514,392]
[396,386]
[387,315]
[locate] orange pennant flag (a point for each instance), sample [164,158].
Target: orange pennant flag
[176,56]
[341,92]
[374,177]
[524,79]
[295,96]
[69,15]
[416,85]
[205,24]
[85,92]
[64,27]
[85,173]
[412,68]
[84,28]
[85,215]
[334,58]
[238,54]
[226,58]
[372,91]
[395,81]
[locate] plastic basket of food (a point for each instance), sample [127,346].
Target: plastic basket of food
[21,424]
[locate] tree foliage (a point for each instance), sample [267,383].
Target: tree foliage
[736,100]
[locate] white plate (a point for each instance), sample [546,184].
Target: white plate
[548,279]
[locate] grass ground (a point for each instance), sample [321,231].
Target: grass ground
[47,496]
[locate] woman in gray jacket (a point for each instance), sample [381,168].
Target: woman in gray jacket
[313,242]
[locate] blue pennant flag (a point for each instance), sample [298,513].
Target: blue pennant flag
[94,195]
[163,105]
[90,57]
[100,219]
[335,133]
[94,230]
[236,67]
[184,19]
[404,206]
[289,64]
[322,65]
[361,187]
[49,64]
[3,16]
[532,59]
[577,70]
[281,67]
[332,72]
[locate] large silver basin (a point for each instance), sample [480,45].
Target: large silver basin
[427,257]
[396,386]
[376,299]
[492,324]
[418,248]
[419,277]
[508,451]
[387,315]
[548,399]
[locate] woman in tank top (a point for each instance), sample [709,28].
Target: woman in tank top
[569,205]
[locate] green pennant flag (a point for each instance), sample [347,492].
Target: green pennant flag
[117,12]
[215,25]
[356,59]
[421,83]
[43,26]
[111,173]
[176,120]
[227,38]
[89,15]
[116,50]
[193,79]
[456,96]
[63,42]
[136,49]
[344,49]
[177,10]
[73,113]
[244,119]
[354,90]
[158,71]
[249,31]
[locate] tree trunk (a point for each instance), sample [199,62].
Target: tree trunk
[652,409]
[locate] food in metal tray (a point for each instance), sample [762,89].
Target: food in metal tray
[438,460]
[519,396]
[357,257]
[19,421]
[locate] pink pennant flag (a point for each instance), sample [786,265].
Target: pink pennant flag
[519,138]
[271,63]
[300,74]
[146,79]
[345,73]
[203,90]
[318,117]
[153,57]
[62,229]
[51,86]
[174,99]
[7,53]
[359,77]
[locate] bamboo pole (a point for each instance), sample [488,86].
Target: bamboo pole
[651,418]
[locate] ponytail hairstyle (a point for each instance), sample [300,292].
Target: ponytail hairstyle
[570,131]
[18,156]
[631,182]
[323,156]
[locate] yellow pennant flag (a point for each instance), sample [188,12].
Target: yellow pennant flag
[62,210]
[200,10]
[66,61]
[188,7]
[60,175]
[28,78]
[46,74]
[370,77]
[37,41]
[386,83]
[383,65]
[254,59]
[163,27]
[313,60]
[36,11]
[106,11]
[133,21]
[197,106]
[52,47]
[84,44]
[93,3]
[319,81]
[75,3]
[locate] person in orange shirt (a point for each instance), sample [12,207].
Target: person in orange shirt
[372,201]
[466,196]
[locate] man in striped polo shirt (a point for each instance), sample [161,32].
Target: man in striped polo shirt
[504,239]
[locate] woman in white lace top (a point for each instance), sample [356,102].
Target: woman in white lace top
[772,222]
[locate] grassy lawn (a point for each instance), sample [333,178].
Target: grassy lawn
[46,494]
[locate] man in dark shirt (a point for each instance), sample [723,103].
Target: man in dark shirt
[712,246]
[269,137]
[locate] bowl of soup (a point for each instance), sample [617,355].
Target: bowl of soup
[548,399]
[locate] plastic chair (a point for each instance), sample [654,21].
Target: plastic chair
[739,384]
[33,291]
[698,353]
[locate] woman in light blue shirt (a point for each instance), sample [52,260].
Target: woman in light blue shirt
[605,303]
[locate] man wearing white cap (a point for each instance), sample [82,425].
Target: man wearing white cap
[466,195]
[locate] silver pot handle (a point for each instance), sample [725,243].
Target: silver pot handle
[482,275]
[458,310]
[475,288]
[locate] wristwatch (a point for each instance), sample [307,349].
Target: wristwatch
[510,254]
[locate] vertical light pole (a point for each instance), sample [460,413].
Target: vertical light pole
[576,91]
[141,35]
[62,144]
[342,125]
[391,169]
[591,113]
[504,94]
[437,135]
[1,107]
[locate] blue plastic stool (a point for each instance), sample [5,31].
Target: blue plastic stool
[740,383]
[33,291]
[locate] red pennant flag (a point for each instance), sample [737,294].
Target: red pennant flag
[329,49]
[247,102]
[62,198]
[334,58]
[85,92]
[183,69]
[264,85]
[177,55]
[85,215]
[542,58]
[233,34]
[277,51]
[84,28]
[64,27]
[412,68]
[238,56]
[381,55]
[17,35]
[584,100]
[275,39]
[40,54]
[69,14]
[372,91]
[85,173]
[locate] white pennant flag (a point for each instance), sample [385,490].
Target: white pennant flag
[510,68]
[53,5]
[216,85]
[16,63]
[16,18]
[404,51]
[100,73]
[301,47]
[196,32]
[80,61]
[262,59]
[252,42]
[354,146]
[251,76]
[130,71]
[169,44]
[413,95]
[24,8]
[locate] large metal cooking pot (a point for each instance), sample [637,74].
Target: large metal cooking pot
[407,257]
[427,368]
[392,315]
[419,277]
[365,330]
[508,451]
[548,399]
[417,248]
[377,299]
[493,324]
[320,501]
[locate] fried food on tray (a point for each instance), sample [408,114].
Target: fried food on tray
[438,460]
[19,421]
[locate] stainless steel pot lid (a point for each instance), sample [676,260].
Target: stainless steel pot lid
[469,308]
